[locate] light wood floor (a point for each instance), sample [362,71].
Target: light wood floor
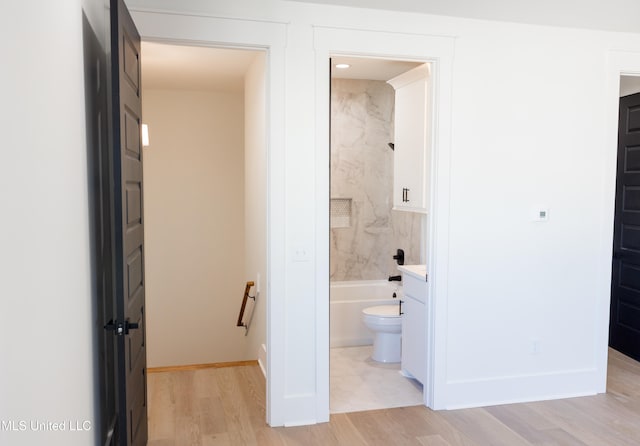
[227,407]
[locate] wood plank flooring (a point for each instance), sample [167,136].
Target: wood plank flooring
[226,406]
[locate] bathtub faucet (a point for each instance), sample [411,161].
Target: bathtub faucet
[395,278]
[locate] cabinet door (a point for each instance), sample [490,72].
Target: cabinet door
[414,338]
[410,159]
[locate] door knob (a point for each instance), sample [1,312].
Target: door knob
[121,328]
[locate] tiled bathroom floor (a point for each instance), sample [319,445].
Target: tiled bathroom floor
[360,383]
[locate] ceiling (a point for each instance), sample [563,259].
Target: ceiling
[370,69]
[609,15]
[629,85]
[178,67]
[194,68]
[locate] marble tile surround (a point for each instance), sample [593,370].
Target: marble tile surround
[359,383]
[362,170]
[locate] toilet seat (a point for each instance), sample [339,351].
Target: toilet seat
[391,311]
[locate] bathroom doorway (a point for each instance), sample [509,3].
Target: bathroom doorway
[366,232]
[205,173]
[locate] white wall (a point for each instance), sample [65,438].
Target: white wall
[509,279]
[46,331]
[194,226]
[255,202]
[515,282]
[511,282]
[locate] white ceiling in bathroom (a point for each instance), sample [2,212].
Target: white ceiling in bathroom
[194,68]
[370,69]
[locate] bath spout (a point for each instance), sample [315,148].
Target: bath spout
[395,278]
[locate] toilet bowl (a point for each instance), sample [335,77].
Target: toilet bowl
[386,324]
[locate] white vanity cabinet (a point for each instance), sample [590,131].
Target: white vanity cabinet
[412,140]
[414,321]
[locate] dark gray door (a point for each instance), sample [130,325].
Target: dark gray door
[624,327]
[129,327]
[100,189]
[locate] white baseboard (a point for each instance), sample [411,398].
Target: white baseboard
[300,410]
[349,342]
[518,389]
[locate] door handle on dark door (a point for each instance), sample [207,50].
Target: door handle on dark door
[130,326]
[121,328]
[114,326]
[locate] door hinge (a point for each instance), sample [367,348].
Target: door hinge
[120,328]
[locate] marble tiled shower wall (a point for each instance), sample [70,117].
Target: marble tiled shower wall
[362,170]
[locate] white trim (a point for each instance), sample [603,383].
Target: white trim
[169,12]
[302,406]
[499,390]
[619,63]
[262,359]
[209,30]
[439,50]
[200,29]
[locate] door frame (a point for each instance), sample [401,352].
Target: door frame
[438,50]
[619,63]
[270,37]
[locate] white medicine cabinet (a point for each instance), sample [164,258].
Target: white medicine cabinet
[412,145]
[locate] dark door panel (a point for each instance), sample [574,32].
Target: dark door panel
[129,226]
[624,326]
[100,196]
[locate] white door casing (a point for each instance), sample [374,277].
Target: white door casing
[220,32]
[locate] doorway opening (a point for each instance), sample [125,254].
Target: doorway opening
[370,226]
[205,205]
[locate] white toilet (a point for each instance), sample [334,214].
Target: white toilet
[386,323]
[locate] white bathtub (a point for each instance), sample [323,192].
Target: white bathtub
[346,302]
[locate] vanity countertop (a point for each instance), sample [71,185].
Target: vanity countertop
[417,271]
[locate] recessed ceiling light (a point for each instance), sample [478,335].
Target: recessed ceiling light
[342,65]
